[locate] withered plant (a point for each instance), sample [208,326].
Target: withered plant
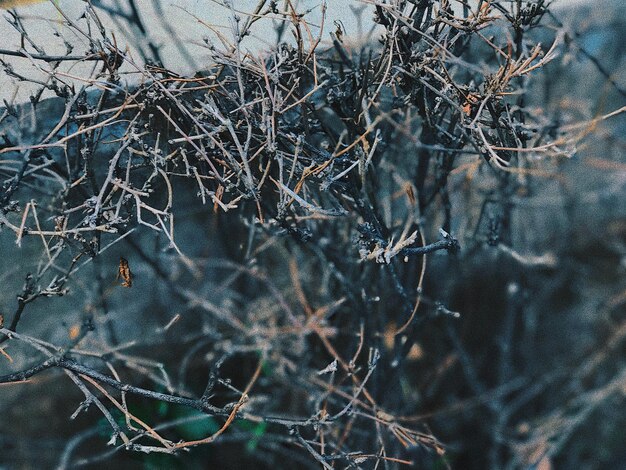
[266,255]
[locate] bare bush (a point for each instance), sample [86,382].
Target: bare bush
[286,229]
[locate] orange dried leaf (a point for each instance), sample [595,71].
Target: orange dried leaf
[125,273]
[74,331]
